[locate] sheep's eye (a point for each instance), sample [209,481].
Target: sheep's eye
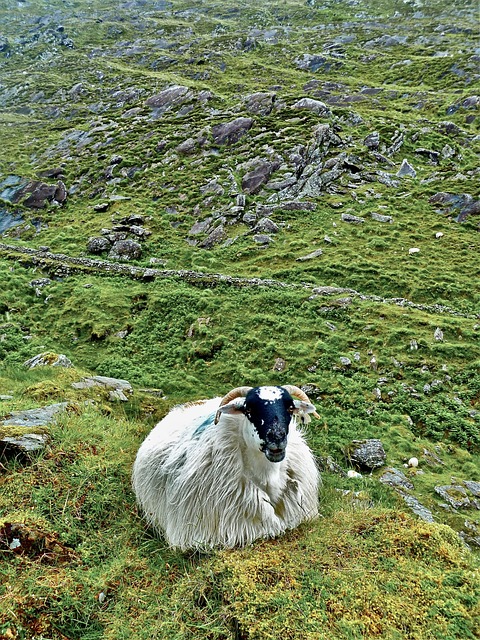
[291,409]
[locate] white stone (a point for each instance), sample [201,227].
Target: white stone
[413,462]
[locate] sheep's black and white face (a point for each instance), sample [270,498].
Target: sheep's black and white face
[270,411]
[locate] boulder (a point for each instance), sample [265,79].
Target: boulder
[231,132]
[367,454]
[98,244]
[255,179]
[395,478]
[260,103]
[125,250]
[168,98]
[48,359]
[406,169]
[312,105]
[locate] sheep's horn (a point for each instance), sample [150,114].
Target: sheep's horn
[296,392]
[238,392]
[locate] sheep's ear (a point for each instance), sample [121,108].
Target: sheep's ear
[232,408]
[302,409]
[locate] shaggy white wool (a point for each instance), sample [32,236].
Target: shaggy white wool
[204,485]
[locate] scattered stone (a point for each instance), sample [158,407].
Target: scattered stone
[279,364]
[381,218]
[348,217]
[406,170]
[433,156]
[25,444]
[463,203]
[48,359]
[315,62]
[312,105]
[125,250]
[104,382]
[98,244]
[372,141]
[35,417]
[346,362]
[260,103]
[310,256]
[366,454]
[413,462]
[265,225]
[438,334]
[418,509]
[395,478]
[215,237]
[455,495]
[473,487]
[255,179]
[171,97]
[117,394]
[262,239]
[438,235]
[231,132]
[413,250]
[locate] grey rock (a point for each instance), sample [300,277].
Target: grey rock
[372,141]
[98,244]
[418,509]
[117,394]
[35,417]
[310,256]
[367,454]
[315,62]
[265,225]
[406,169]
[381,218]
[231,132]
[260,103]
[473,487]
[187,147]
[125,250]
[346,362]
[105,382]
[255,179]
[279,364]
[27,443]
[455,495]
[200,227]
[48,359]
[215,237]
[312,105]
[348,217]
[463,203]
[395,478]
[262,239]
[168,98]
[385,41]
[433,156]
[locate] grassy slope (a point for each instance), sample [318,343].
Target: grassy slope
[365,569]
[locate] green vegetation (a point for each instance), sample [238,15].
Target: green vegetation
[385,340]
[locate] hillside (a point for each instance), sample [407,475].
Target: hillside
[200,195]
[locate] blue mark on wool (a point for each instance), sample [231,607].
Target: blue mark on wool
[206,422]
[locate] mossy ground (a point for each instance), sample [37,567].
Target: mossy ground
[365,569]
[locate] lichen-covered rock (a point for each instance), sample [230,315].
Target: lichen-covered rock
[98,244]
[105,382]
[367,454]
[395,478]
[125,250]
[48,359]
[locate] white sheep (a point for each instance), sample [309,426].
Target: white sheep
[219,473]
